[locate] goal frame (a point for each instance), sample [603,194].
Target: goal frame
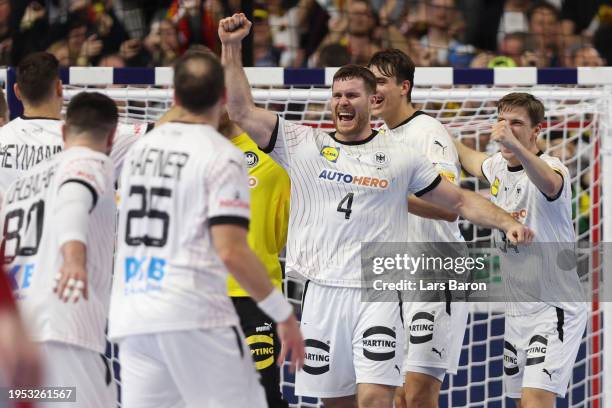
[438,77]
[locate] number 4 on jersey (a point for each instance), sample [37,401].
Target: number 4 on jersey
[348,199]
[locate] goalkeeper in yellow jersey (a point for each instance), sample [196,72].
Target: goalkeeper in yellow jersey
[270,186]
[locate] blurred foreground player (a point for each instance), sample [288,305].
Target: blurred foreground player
[58,224]
[184,216]
[19,358]
[429,354]
[347,187]
[543,331]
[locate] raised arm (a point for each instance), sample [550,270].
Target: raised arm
[424,209]
[471,160]
[478,210]
[257,122]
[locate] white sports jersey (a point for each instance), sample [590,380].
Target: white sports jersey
[25,142]
[177,182]
[428,136]
[343,194]
[31,242]
[551,221]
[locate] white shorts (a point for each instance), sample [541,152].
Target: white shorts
[193,368]
[72,366]
[434,333]
[348,342]
[540,350]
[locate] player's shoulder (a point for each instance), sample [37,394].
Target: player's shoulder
[555,163]
[133,129]
[85,157]
[496,160]
[47,124]
[551,160]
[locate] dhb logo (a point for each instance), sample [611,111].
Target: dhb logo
[143,275]
[20,276]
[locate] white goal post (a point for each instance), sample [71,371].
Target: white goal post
[577,128]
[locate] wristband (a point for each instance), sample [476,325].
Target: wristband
[276,306]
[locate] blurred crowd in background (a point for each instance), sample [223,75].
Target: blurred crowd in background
[331,33]
[314,33]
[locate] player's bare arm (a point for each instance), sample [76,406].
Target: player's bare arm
[72,278]
[471,160]
[478,210]
[424,209]
[231,245]
[547,180]
[257,122]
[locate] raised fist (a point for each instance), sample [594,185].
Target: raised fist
[233,29]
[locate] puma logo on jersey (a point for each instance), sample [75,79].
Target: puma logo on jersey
[435,350]
[265,327]
[398,370]
[441,146]
[548,373]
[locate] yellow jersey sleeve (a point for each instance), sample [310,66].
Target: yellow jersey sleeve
[270,189]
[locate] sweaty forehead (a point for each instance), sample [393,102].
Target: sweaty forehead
[348,84]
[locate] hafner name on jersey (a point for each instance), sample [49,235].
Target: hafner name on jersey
[156,162]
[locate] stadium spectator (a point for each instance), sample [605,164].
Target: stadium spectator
[6,32]
[544,27]
[355,30]
[513,46]
[265,54]
[584,56]
[112,60]
[285,26]
[601,41]
[162,43]
[333,55]
[60,50]
[496,18]
[196,22]
[441,40]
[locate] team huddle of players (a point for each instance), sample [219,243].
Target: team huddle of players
[183,200]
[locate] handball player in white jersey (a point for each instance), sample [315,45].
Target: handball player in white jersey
[347,187]
[59,227]
[183,223]
[430,354]
[543,332]
[37,134]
